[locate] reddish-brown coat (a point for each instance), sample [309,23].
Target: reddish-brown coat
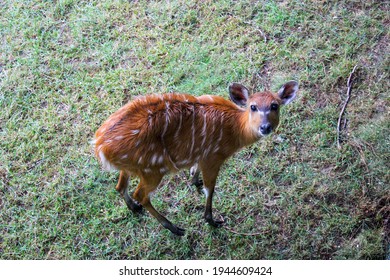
[172,131]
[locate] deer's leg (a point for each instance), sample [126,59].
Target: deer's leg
[142,194]
[209,178]
[198,183]
[122,188]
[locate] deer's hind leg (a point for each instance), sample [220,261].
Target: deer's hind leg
[122,188]
[146,186]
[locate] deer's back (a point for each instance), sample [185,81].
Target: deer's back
[164,132]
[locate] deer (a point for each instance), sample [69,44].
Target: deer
[158,134]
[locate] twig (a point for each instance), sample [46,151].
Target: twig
[245,234]
[242,233]
[349,85]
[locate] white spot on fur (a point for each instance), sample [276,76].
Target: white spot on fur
[206,192]
[105,163]
[148,170]
[193,169]
[135,131]
[160,159]
[124,156]
[119,137]
[163,170]
[154,159]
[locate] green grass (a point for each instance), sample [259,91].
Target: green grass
[65,66]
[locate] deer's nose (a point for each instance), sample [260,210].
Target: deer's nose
[265,128]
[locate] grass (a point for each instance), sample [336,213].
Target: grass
[65,66]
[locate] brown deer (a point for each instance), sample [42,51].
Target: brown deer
[157,134]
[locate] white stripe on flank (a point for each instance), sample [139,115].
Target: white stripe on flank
[154,159]
[163,170]
[193,132]
[220,132]
[207,151]
[211,144]
[165,128]
[184,162]
[178,129]
[204,128]
[166,124]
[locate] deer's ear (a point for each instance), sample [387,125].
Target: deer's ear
[239,94]
[288,92]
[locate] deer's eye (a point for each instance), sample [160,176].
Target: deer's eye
[253,108]
[274,107]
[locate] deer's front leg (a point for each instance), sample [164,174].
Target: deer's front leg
[209,180]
